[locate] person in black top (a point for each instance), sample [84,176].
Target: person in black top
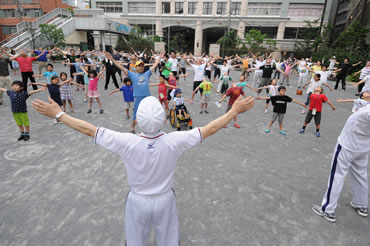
[71,57]
[267,71]
[117,56]
[217,72]
[280,105]
[342,73]
[110,72]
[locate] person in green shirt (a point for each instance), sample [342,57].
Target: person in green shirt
[206,86]
[166,66]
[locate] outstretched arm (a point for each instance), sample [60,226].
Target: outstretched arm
[331,105]
[298,102]
[51,109]
[109,56]
[331,89]
[240,106]
[358,83]
[116,90]
[36,91]
[40,84]
[152,69]
[345,100]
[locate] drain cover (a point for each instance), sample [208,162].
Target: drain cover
[25,152]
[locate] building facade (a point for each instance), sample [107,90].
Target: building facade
[205,21]
[13,12]
[348,11]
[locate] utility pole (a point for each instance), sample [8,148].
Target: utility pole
[228,27]
[323,16]
[20,11]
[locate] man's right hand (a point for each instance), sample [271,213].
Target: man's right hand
[241,105]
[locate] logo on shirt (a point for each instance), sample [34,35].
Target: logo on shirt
[151,146]
[141,80]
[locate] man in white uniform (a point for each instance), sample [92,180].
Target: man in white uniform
[351,155]
[258,73]
[150,161]
[198,70]
[175,64]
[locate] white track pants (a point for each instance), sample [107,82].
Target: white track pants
[157,210]
[354,163]
[302,80]
[257,77]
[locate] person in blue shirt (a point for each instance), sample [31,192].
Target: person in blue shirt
[140,81]
[43,60]
[79,72]
[128,94]
[48,74]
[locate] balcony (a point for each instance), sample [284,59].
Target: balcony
[15,2]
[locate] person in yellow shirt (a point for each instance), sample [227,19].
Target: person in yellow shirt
[315,68]
[245,67]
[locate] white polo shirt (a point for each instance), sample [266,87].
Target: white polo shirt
[198,71]
[355,135]
[174,62]
[149,161]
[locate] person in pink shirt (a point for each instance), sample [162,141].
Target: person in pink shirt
[93,89]
[288,67]
[25,64]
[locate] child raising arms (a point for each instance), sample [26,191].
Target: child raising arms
[128,94]
[93,89]
[162,92]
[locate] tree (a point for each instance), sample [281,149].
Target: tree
[310,39]
[121,43]
[258,43]
[52,36]
[178,43]
[354,38]
[229,39]
[137,41]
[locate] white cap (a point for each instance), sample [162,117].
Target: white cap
[150,116]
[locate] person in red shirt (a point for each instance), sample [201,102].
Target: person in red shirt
[25,64]
[234,92]
[315,109]
[162,92]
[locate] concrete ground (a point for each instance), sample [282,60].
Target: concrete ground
[239,187]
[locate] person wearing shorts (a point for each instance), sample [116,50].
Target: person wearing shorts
[207,86]
[18,103]
[128,95]
[316,101]
[233,93]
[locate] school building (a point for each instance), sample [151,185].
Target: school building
[205,21]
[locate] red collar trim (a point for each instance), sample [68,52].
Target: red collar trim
[151,137]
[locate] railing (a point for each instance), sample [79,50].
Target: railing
[43,19]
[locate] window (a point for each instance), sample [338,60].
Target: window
[221,8]
[270,31]
[110,7]
[192,8]
[8,29]
[7,13]
[207,8]
[179,8]
[264,8]
[141,7]
[235,8]
[291,32]
[32,13]
[303,9]
[166,7]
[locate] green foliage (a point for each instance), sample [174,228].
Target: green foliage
[156,38]
[178,43]
[229,40]
[121,43]
[52,36]
[353,39]
[257,42]
[137,41]
[310,39]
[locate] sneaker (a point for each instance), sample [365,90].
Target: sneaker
[132,131]
[266,110]
[85,101]
[361,211]
[89,111]
[101,111]
[205,111]
[267,131]
[303,111]
[26,137]
[301,131]
[236,125]
[328,216]
[201,112]
[21,137]
[128,117]
[178,128]
[55,121]
[318,134]
[282,133]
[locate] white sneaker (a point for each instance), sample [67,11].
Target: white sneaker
[303,111]
[266,110]
[55,121]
